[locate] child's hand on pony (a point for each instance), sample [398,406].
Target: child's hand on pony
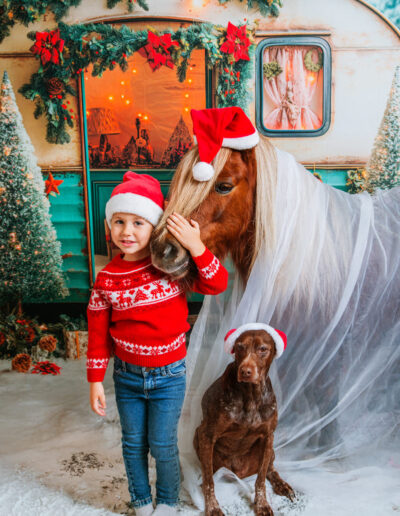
[187,233]
[97,398]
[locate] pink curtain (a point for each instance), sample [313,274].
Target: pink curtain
[292,91]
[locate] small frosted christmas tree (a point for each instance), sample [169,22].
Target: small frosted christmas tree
[30,259]
[383,168]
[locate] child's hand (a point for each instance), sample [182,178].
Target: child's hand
[187,233]
[97,398]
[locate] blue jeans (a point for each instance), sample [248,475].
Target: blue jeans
[149,403]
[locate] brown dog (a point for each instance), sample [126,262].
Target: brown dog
[239,419]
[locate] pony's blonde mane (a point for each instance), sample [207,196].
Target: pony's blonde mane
[265,197]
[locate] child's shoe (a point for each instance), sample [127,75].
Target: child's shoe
[145,510]
[163,509]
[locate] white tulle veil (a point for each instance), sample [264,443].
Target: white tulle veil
[331,283]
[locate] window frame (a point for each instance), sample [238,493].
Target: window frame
[326,91]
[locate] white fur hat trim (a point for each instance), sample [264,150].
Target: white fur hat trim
[232,336]
[135,204]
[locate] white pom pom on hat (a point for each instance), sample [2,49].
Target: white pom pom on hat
[203,171]
[278,336]
[214,128]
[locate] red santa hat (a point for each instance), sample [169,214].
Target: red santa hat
[220,127]
[278,336]
[139,194]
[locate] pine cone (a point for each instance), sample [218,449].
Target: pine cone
[21,363]
[54,86]
[48,343]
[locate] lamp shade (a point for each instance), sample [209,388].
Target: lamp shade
[102,121]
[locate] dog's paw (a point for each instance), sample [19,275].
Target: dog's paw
[283,489]
[264,510]
[214,511]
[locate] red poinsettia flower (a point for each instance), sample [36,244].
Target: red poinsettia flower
[237,42]
[48,46]
[157,50]
[46,367]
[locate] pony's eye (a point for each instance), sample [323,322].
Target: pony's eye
[223,188]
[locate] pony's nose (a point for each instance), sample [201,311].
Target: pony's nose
[170,251]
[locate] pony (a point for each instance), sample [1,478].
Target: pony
[320,264]
[236,212]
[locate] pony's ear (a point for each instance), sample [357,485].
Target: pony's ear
[249,159]
[248,155]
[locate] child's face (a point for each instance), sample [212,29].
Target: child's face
[131,234]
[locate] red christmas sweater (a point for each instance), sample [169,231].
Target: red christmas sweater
[139,314]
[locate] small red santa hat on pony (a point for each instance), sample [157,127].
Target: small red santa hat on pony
[278,336]
[220,127]
[139,194]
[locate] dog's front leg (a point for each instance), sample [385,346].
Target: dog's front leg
[262,506]
[205,448]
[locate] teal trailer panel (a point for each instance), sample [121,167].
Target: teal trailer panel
[67,212]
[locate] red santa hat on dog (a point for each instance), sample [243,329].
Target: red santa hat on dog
[278,336]
[220,127]
[139,194]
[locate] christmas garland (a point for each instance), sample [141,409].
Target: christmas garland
[266,7]
[29,11]
[356,180]
[66,52]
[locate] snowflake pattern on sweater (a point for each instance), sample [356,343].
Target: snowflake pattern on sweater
[139,314]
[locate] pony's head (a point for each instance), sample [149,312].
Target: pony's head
[229,208]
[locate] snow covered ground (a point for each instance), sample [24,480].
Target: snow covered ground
[57,457]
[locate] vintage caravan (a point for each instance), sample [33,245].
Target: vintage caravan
[315,81]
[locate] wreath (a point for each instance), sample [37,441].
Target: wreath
[271,70]
[310,64]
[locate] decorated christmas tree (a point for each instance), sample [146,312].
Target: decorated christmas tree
[179,143]
[30,259]
[383,168]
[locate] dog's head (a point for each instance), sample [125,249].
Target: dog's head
[254,352]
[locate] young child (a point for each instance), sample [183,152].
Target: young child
[138,314]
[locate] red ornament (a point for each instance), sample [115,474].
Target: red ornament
[48,46]
[157,50]
[52,184]
[237,42]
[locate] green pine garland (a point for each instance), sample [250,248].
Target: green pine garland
[106,47]
[266,7]
[29,11]
[141,3]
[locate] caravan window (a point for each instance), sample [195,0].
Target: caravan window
[141,118]
[293,86]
